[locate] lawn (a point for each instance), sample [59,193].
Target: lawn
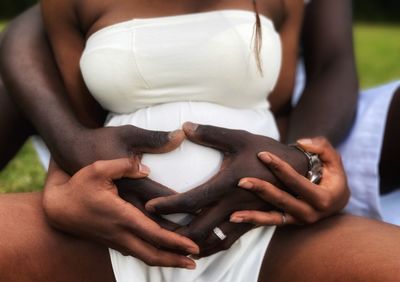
[378,60]
[378,53]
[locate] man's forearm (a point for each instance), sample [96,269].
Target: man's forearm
[328,104]
[32,78]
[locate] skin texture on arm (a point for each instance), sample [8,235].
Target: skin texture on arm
[328,104]
[39,90]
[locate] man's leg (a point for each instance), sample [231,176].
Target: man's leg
[30,250]
[340,248]
[389,166]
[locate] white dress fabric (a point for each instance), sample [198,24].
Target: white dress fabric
[157,73]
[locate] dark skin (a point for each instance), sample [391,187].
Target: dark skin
[390,155]
[114,140]
[94,253]
[131,199]
[15,125]
[73,128]
[92,16]
[325,128]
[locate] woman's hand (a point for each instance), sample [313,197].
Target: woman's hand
[313,202]
[88,205]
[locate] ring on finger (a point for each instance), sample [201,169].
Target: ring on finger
[219,233]
[284,220]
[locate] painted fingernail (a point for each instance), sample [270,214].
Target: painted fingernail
[143,169]
[305,141]
[190,126]
[245,184]
[265,157]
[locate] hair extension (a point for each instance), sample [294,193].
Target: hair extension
[257,38]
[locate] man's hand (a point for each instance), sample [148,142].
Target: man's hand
[240,149]
[313,202]
[220,197]
[88,205]
[121,142]
[108,143]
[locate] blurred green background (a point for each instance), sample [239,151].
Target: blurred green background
[377,45]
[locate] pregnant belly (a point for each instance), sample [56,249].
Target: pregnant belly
[192,164]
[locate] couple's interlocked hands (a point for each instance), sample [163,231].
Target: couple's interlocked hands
[90,205]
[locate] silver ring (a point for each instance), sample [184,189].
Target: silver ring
[283,218]
[219,233]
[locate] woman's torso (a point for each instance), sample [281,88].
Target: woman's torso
[159,72]
[95,15]
[130,85]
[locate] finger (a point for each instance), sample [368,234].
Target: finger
[150,231]
[144,188]
[291,179]
[223,139]
[116,169]
[321,147]
[56,176]
[128,244]
[203,224]
[195,199]
[280,199]
[134,200]
[232,231]
[263,218]
[149,141]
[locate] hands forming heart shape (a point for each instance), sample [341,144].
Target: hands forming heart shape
[115,203]
[213,202]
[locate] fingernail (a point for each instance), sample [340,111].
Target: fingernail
[190,126]
[305,141]
[150,208]
[175,134]
[265,157]
[245,184]
[190,265]
[236,219]
[193,250]
[195,257]
[143,169]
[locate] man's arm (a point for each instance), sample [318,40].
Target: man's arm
[328,103]
[30,74]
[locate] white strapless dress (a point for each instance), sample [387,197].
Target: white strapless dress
[156,74]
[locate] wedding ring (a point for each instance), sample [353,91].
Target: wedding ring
[219,233]
[283,218]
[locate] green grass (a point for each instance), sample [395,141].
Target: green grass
[378,53]
[378,60]
[24,173]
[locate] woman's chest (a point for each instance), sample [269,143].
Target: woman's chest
[205,56]
[97,14]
